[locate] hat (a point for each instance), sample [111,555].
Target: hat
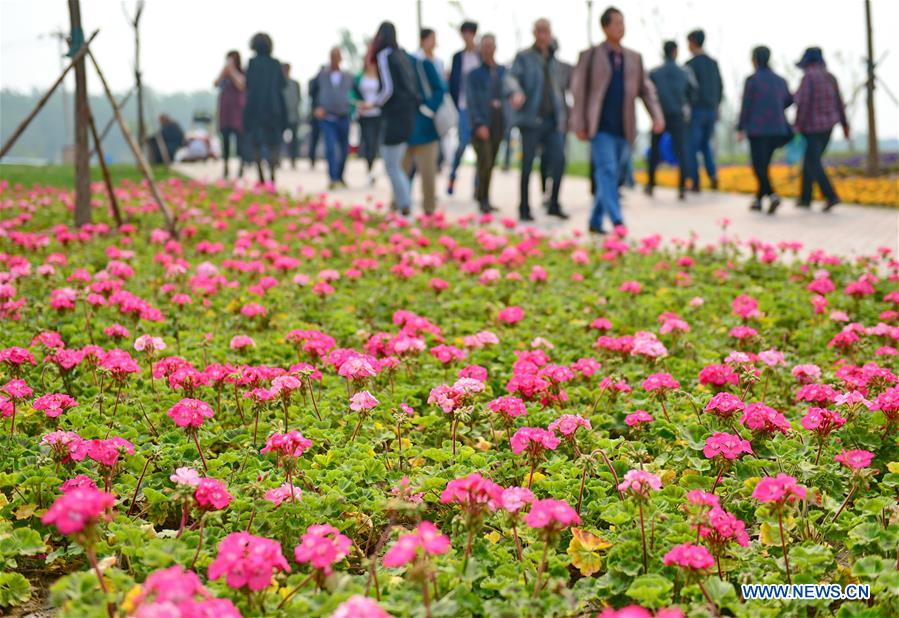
[811,56]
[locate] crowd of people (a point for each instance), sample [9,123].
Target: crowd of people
[407,103]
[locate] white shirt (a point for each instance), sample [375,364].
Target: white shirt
[470,61]
[335,78]
[368,88]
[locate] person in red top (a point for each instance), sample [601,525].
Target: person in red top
[819,107]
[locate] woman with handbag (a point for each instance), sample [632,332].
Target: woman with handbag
[762,120]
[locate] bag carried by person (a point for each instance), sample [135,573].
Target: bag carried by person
[447,116]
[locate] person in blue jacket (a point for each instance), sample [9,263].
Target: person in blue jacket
[464,61]
[487,92]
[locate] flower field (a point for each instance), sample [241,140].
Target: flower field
[850,185]
[296,409]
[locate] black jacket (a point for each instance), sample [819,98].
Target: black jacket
[265,106]
[480,98]
[709,89]
[399,96]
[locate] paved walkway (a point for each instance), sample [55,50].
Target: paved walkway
[848,230]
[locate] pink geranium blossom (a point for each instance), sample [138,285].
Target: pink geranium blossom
[781,489]
[855,459]
[638,418]
[190,413]
[362,401]
[321,546]
[212,494]
[551,515]
[426,538]
[79,509]
[727,446]
[689,556]
[287,492]
[640,483]
[54,404]
[248,561]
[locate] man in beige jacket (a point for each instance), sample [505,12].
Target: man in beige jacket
[607,80]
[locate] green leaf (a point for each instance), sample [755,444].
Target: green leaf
[14,589]
[651,590]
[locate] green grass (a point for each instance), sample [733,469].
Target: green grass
[64,175]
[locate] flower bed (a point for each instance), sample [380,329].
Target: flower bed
[850,185]
[308,411]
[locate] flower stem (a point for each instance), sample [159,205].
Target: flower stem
[718,479]
[358,425]
[580,495]
[665,410]
[820,447]
[531,477]
[200,451]
[312,396]
[708,598]
[845,502]
[783,544]
[92,558]
[519,552]
[537,584]
[199,543]
[296,589]
[139,481]
[643,538]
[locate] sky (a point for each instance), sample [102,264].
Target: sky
[184,41]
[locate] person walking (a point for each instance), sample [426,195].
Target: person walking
[605,83]
[539,106]
[265,115]
[332,110]
[231,84]
[398,101]
[704,113]
[424,143]
[487,92]
[762,120]
[819,106]
[464,62]
[427,41]
[314,128]
[367,87]
[674,85]
[292,103]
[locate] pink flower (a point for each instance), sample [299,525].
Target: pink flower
[725,405]
[567,424]
[426,537]
[80,481]
[551,515]
[322,546]
[781,489]
[806,374]
[17,390]
[514,499]
[54,404]
[640,482]
[535,440]
[362,401]
[291,444]
[79,509]
[186,476]
[745,306]
[511,315]
[190,413]
[726,445]
[648,345]
[855,459]
[508,407]
[358,606]
[822,421]
[718,375]
[212,494]
[248,561]
[240,342]
[630,287]
[473,492]
[148,343]
[175,592]
[447,354]
[689,556]
[104,452]
[285,493]
[660,381]
[638,418]
[764,419]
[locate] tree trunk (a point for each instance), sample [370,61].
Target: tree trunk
[82,156]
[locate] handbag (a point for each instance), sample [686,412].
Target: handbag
[447,116]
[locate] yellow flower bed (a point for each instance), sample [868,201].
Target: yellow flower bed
[882,191]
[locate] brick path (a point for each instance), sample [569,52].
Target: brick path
[848,230]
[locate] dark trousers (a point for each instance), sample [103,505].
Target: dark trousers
[677,129]
[293,144]
[702,130]
[761,151]
[813,169]
[369,138]
[550,141]
[239,147]
[314,132]
[265,143]
[486,151]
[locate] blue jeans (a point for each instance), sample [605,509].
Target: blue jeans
[336,132]
[392,155]
[608,151]
[702,129]
[551,143]
[464,138]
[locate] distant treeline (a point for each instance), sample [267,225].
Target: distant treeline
[46,136]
